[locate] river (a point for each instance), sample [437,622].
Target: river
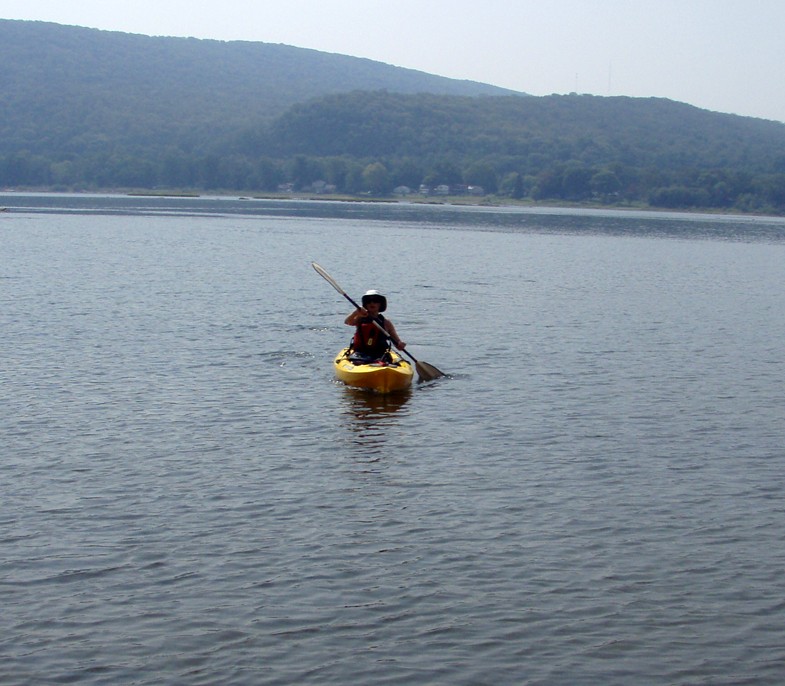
[593,495]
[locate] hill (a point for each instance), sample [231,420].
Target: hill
[574,147]
[651,132]
[72,89]
[88,109]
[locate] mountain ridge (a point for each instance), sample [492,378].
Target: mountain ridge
[89,109]
[51,70]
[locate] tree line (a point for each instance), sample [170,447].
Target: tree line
[613,184]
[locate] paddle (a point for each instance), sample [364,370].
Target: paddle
[426,372]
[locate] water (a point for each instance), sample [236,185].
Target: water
[594,495]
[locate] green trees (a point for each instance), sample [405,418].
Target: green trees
[22,168]
[725,189]
[376,179]
[482,174]
[605,185]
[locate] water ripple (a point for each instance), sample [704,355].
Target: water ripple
[592,496]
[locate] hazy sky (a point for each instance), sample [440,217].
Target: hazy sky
[721,55]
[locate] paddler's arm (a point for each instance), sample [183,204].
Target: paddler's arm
[388,326]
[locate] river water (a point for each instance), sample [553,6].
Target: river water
[594,495]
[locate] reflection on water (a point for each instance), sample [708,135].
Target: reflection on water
[369,417]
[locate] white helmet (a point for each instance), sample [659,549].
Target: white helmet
[375,295]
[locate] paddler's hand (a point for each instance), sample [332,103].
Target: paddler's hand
[401,345]
[354,318]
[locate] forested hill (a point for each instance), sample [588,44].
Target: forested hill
[576,148]
[66,86]
[95,110]
[532,131]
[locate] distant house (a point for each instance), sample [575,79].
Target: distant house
[442,189]
[424,189]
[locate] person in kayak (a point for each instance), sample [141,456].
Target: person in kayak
[368,341]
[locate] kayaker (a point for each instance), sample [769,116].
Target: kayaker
[368,341]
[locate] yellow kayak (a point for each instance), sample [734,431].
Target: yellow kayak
[382,377]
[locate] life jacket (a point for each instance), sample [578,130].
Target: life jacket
[368,340]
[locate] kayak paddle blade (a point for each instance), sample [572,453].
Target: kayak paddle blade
[427,372]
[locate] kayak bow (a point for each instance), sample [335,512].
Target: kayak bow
[382,377]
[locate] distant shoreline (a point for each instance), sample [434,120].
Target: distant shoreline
[456,201]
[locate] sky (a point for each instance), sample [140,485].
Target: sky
[719,55]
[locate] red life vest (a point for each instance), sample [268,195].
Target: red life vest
[368,340]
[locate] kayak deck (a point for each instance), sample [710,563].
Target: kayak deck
[382,377]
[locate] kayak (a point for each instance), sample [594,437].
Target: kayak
[380,376]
